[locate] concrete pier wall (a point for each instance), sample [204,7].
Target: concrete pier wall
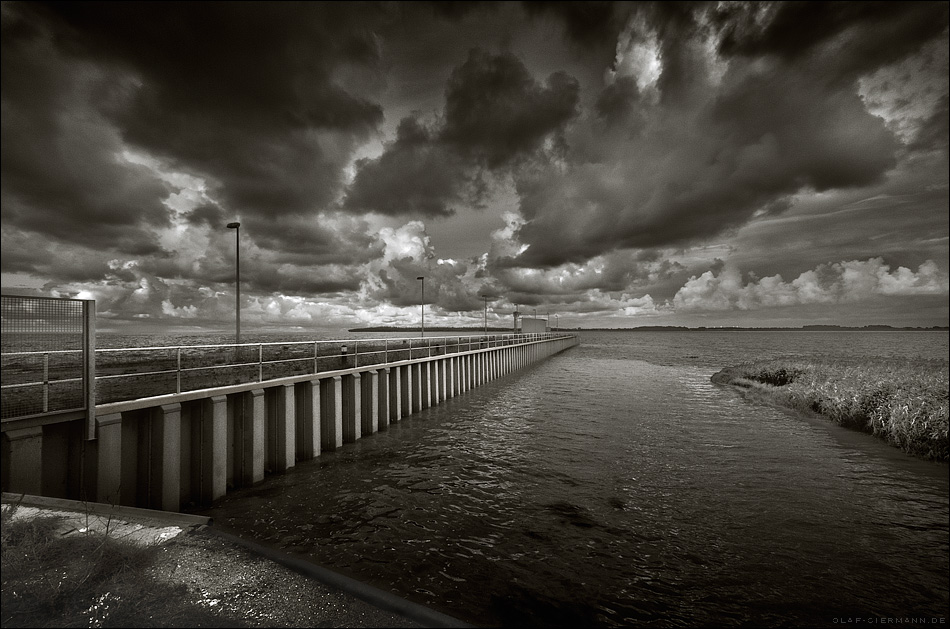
[191,448]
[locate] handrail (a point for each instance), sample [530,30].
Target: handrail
[132,372]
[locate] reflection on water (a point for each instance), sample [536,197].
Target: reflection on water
[602,487]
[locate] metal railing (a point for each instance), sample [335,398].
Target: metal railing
[139,372]
[47,365]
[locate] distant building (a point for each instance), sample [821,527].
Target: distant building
[530,325]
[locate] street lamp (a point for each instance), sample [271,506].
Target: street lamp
[485,297]
[423,279]
[556,324]
[237,280]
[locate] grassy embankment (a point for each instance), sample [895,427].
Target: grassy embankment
[86,580]
[904,402]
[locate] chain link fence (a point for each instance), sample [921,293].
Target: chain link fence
[44,353]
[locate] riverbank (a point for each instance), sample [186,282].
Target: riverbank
[902,401]
[70,564]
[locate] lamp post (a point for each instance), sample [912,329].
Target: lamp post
[237,280]
[485,297]
[423,280]
[556,325]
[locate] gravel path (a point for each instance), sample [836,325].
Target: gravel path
[238,581]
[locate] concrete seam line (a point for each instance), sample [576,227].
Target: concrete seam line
[370,594]
[169,518]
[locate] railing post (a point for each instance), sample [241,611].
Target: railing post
[260,362]
[178,374]
[45,382]
[315,367]
[89,365]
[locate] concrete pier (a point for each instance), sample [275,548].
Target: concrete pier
[191,448]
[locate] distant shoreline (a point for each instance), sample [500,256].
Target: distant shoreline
[670,328]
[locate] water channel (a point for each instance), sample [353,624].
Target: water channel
[614,485]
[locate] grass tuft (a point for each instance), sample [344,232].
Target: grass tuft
[86,579]
[904,402]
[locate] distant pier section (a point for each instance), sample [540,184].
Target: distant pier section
[162,427]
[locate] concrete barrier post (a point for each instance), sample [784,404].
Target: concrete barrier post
[425,384]
[352,412]
[443,379]
[406,393]
[25,460]
[307,405]
[109,458]
[331,413]
[214,448]
[416,370]
[257,437]
[283,420]
[165,470]
[450,372]
[369,413]
[434,382]
[382,395]
[395,394]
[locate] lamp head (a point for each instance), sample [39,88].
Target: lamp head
[233,225]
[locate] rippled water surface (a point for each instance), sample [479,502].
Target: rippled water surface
[613,484]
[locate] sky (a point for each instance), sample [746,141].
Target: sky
[599,164]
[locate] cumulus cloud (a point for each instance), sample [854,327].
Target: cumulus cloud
[840,282]
[451,286]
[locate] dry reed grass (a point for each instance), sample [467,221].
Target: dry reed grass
[904,402]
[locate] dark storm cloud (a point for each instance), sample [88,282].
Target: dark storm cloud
[22,253]
[591,24]
[935,132]
[495,113]
[61,175]
[606,152]
[243,93]
[209,214]
[714,152]
[416,174]
[617,104]
[271,279]
[859,36]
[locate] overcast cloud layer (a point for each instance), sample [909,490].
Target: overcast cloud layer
[616,164]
